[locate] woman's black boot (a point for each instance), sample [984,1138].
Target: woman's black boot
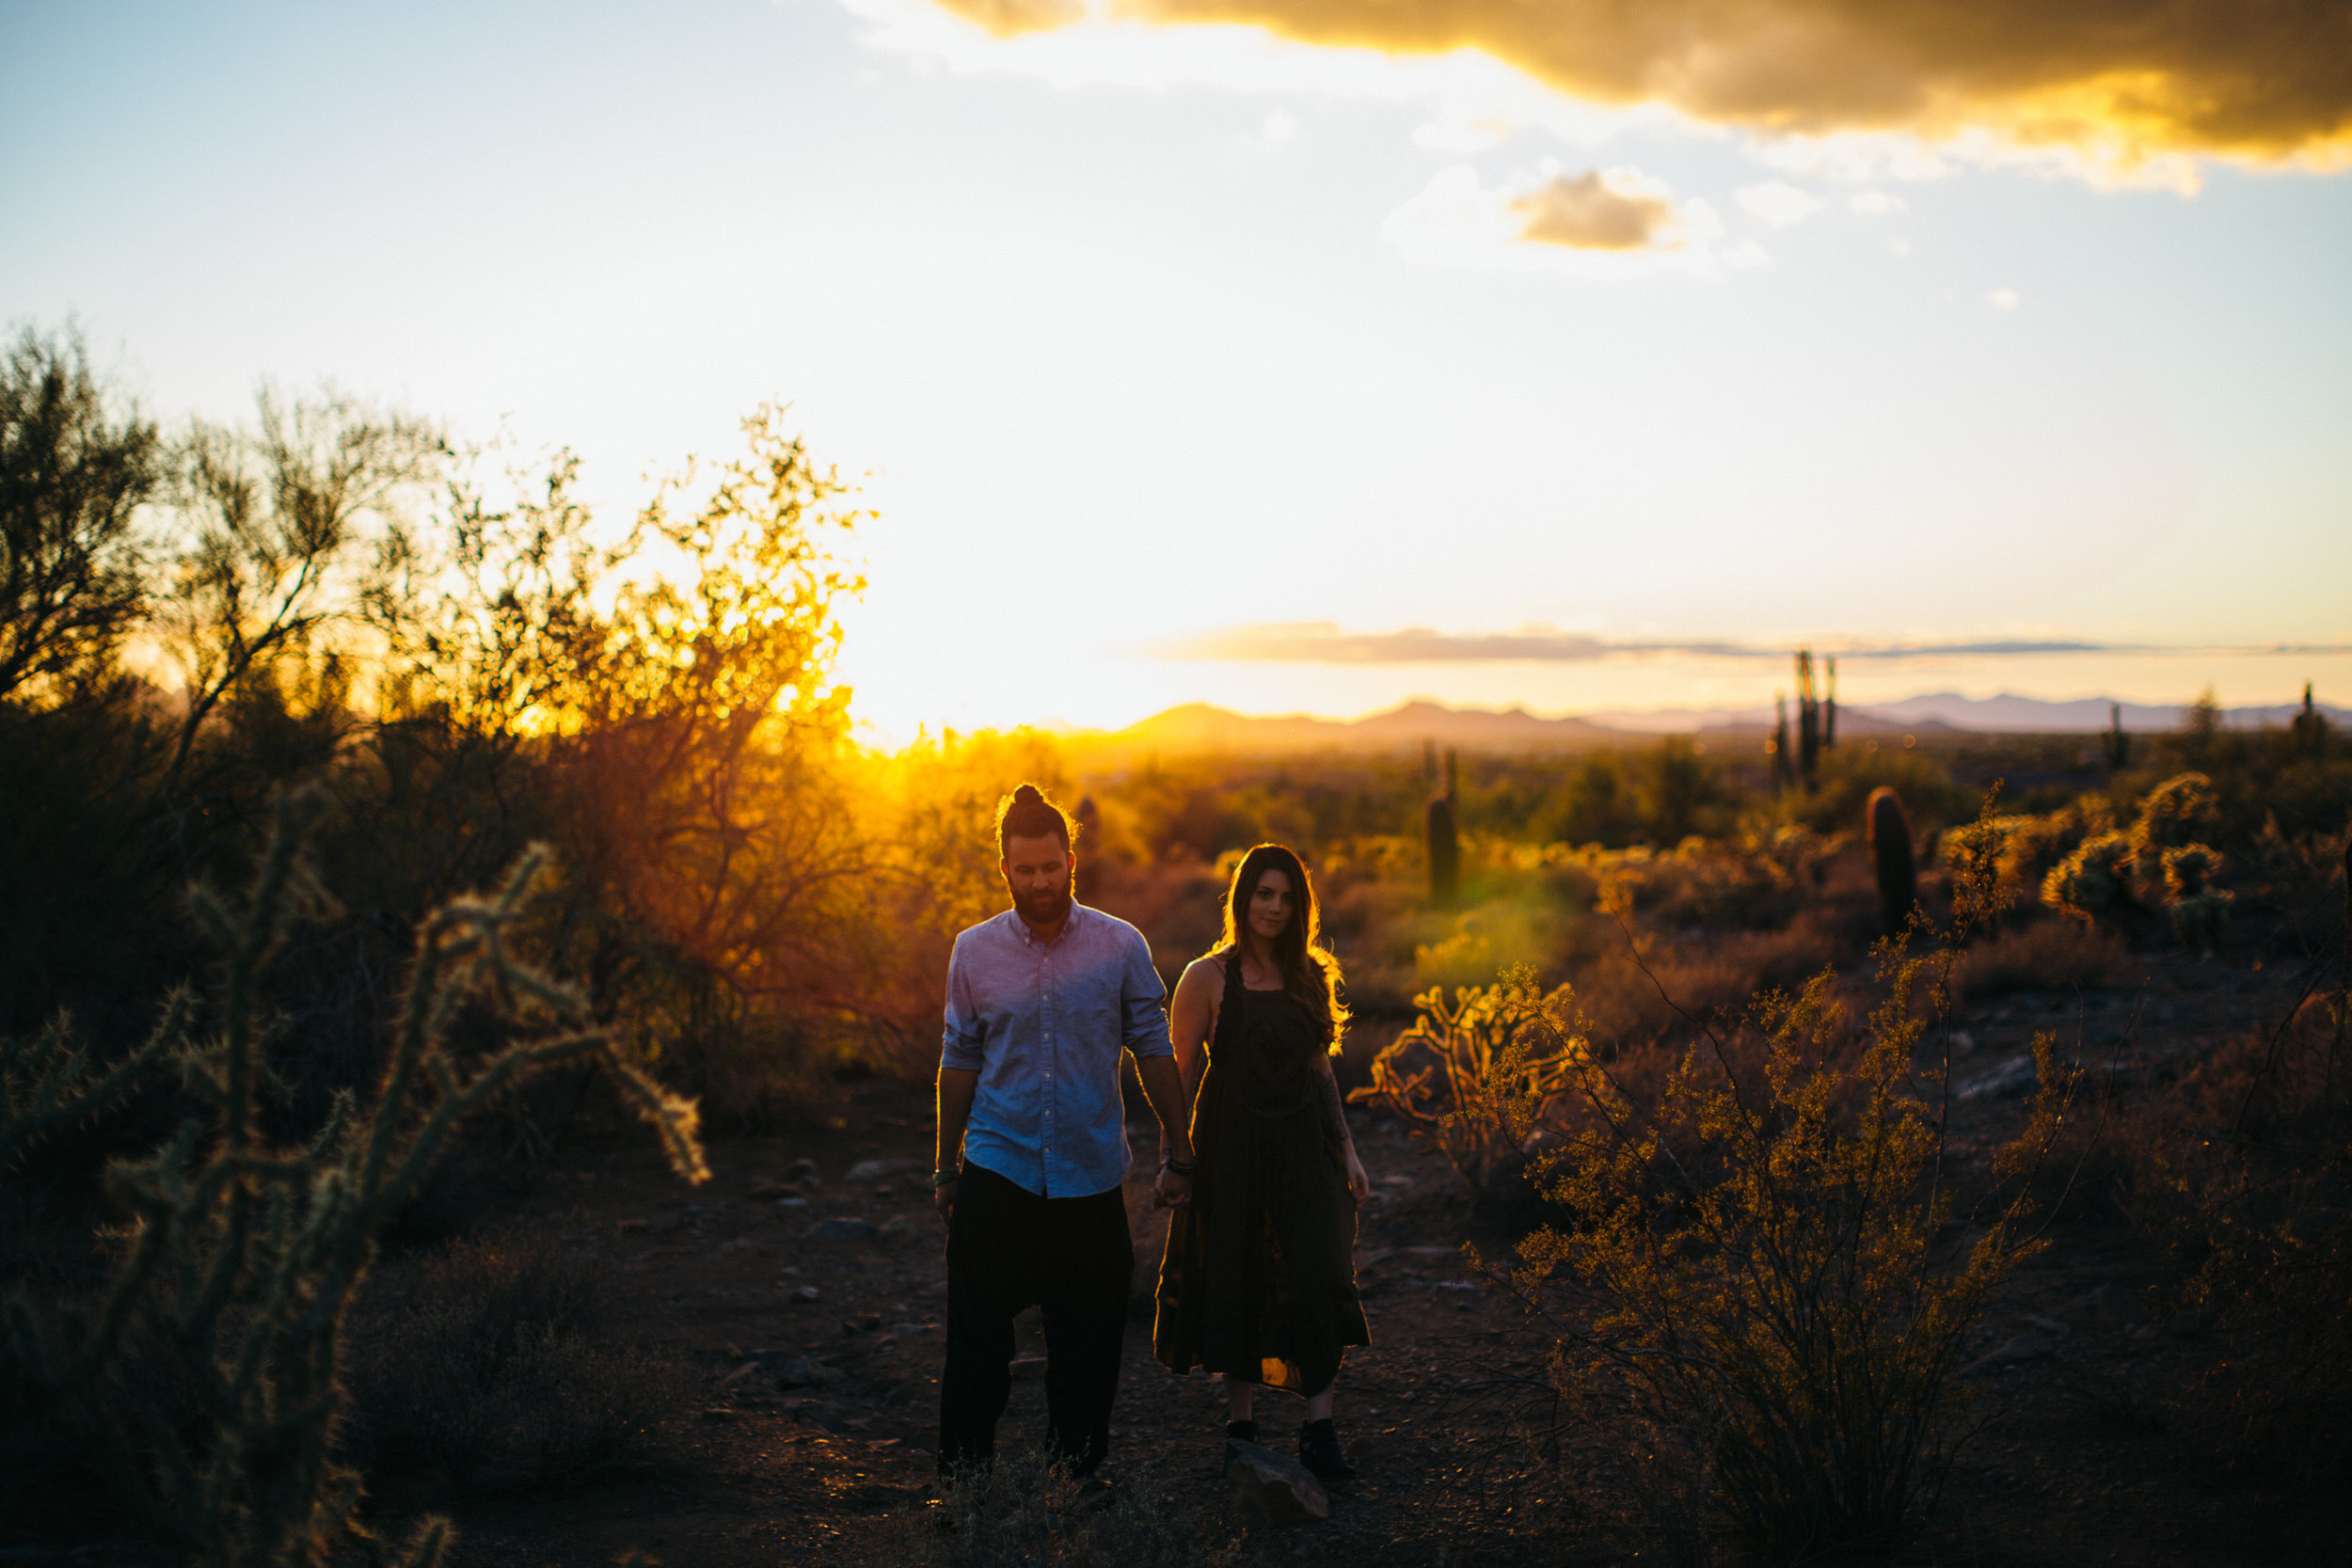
[1319,1450]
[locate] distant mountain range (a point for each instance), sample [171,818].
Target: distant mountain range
[1200,727]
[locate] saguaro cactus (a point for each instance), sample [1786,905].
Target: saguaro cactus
[1829,708]
[1889,828]
[1438,827]
[2118,744]
[1778,745]
[1089,877]
[2309,727]
[1808,720]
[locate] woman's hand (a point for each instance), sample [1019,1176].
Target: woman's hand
[1172,1190]
[1358,1185]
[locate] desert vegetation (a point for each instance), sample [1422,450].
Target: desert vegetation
[469,988]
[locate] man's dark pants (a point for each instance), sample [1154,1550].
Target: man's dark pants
[1008,1249]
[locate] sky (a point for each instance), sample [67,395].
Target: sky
[1307,355]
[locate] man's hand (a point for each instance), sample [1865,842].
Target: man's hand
[1171,1190]
[945,1195]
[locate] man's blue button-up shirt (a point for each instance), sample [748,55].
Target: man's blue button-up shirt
[1043,1023]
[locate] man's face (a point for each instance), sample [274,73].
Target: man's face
[1036,874]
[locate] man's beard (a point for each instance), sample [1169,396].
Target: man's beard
[1043,909]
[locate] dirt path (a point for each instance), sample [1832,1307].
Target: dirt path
[811,1316]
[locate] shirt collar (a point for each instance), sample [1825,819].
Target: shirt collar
[1070,923]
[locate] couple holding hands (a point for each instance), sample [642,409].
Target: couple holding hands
[1256,1161]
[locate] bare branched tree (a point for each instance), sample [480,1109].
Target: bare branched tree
[273,519]
[74,473]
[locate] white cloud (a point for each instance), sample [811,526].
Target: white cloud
[1875,203]
[1778,204]
[2005,299]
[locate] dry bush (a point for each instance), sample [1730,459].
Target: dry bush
[2048,954]
[1025,1512]
[1765,1255]
[479,1366]
[2244,1172]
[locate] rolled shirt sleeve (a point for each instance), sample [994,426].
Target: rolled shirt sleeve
[1143,1003]
[963,1046]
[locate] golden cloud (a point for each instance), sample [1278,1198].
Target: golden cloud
[1587,213]
[2266,83]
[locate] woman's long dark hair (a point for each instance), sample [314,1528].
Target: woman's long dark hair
[1309,973]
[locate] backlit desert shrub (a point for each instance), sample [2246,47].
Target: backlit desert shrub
[1769,1256]
[2244,1172]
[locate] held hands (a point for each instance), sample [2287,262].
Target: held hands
[1358,1185]
[1172,1190]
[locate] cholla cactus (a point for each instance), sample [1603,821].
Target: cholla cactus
[2182,809]
[2197,909]
[2095,880]
[242,1252]
[1489,1068]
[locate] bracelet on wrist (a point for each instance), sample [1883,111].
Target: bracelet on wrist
[1181,1167]
[946,1174]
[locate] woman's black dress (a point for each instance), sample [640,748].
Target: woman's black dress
[1259,1279]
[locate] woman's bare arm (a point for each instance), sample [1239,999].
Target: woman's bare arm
[1335,1124]
[1192,1019]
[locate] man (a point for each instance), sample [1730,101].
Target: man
[1033,1142]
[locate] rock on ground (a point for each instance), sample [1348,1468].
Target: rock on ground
[1271,1489]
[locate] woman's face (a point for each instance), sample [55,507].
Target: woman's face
[1270,905]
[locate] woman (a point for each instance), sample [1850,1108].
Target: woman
[1259,1280]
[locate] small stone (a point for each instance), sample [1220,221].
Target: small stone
[841,1228]
[880,1170]
[1028,1369]
[865,1322]
[802,1170]
[2014,1076]
[901,1330]
[742,1375]
[2051,1326]
[1272,1490]
[806,1292]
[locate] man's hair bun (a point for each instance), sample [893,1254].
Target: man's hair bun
[1027,813]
